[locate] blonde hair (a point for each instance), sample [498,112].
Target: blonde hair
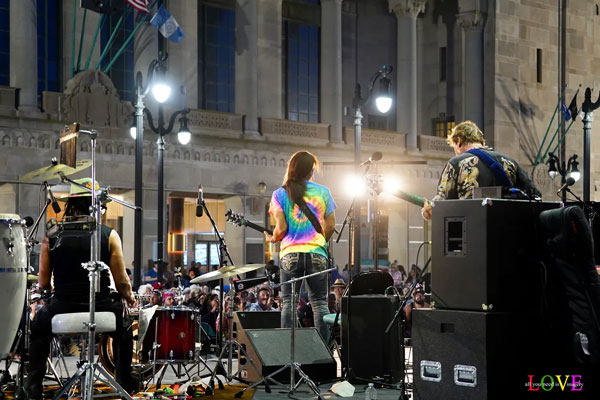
[465,132]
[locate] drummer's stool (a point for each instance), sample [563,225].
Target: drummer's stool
[76,324]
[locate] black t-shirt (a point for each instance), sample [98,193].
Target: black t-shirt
[71,281]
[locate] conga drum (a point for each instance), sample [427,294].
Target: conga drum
[13,278]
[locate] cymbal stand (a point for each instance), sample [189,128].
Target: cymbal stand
[90,368]
[230,343]
[294,366]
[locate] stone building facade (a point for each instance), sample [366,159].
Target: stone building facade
[453,60]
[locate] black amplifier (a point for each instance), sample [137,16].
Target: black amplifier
[482,249]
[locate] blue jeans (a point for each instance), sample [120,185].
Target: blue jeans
[294,265]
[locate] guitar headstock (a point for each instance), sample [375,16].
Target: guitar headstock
[235,218]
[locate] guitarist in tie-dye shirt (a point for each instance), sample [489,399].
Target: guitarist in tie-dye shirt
[303,248]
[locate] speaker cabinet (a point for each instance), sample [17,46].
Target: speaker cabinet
[484,246]
[465,354]
[270,350]
[367,350]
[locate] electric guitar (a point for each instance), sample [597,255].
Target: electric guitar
[411,198]
[239,220]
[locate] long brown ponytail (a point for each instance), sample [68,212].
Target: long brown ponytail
[300,168]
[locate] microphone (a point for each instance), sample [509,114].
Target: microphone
[55,205]
[200,202]
[570,182]
[374,157]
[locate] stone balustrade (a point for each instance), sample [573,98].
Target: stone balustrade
[304,133]
[8,100]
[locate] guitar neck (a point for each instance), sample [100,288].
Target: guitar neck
[258,227]
[411,198]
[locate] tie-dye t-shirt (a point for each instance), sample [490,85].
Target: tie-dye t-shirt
[301,236]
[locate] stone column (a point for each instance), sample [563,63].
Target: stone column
[23,53]
[246,54]
[183,56]
[472,23]
[331,67]
[406,69]
[269,22]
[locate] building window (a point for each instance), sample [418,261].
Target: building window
[48,12]
[121,73]
[4,42]
[538,59]
[302,72]
[442,64]
[442,126]
[216,59]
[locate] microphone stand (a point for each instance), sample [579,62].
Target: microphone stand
[350,216]
[403,395]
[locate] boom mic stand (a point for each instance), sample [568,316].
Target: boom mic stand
[351,214]
[403,395]
[292,365]
[94,267]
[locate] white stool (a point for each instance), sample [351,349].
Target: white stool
[76,323]
[73,323]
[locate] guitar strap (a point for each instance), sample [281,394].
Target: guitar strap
[494,166]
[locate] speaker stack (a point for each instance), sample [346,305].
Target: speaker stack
[483,332]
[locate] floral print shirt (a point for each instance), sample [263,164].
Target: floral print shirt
[465,172]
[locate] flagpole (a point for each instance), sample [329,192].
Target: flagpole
[89,58]
[126,43]
[73,41]
[81,39]
[546,134]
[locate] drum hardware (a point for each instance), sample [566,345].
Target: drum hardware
[294,366]
[52,171]
[90,366]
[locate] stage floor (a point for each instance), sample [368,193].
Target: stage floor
[277,392]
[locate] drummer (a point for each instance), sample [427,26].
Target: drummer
[62,259]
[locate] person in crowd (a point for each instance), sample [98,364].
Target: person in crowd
[155,298]
[396,274]
[210,310]
[476,165]
[168,299]
[61,259]
[264,300]
[304,222]
[338,288]
[151,275]
[418,302]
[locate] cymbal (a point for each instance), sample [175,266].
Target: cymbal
[226,272]
[51,172]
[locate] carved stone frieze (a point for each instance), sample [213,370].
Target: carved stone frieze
[302,130]
[91,99]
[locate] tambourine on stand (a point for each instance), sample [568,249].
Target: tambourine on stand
[90,368]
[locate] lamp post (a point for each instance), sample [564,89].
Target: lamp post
[570,170]
[161,93]
[383,103]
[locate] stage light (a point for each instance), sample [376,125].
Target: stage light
[355,186]
[390,184]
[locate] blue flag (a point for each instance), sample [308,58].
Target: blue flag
[565,111]
[167,25]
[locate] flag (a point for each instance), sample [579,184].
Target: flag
[573,107]
[565,111]
[167,25]
[99,6]
[140,5]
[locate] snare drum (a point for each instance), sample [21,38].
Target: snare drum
[175,330]
[13,278]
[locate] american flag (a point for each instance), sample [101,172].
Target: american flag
[140,5]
